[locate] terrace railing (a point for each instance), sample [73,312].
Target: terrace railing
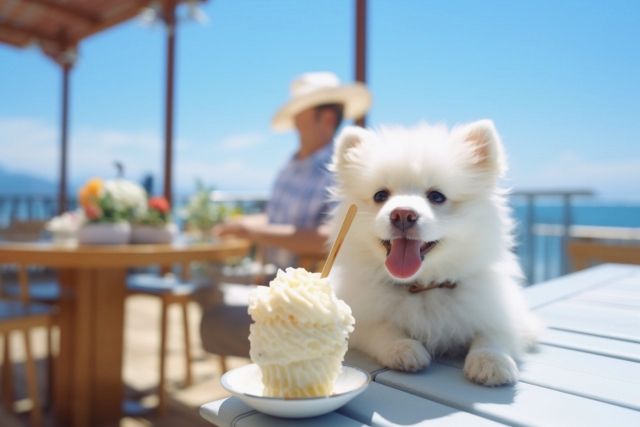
[27,207]
[540,243]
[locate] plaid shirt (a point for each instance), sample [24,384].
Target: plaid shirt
[300,197]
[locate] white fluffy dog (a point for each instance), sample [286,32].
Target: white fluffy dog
[427,266]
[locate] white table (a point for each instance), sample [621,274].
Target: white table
[585,373]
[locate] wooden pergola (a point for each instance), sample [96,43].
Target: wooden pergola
[59,26]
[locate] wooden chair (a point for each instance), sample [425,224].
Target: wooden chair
[43,288]
[309,261]
[22,315]
[584,253]
[170,290]
[45,291]
[224,326]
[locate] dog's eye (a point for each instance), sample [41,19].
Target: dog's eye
[381,196]
[436,197]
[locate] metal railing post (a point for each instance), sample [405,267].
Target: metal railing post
[531,244]
[567,220]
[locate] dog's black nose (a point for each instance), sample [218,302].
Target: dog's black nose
[403,218]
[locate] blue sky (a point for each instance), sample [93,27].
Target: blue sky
[560,80]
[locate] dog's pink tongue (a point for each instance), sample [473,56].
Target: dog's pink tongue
[404,258]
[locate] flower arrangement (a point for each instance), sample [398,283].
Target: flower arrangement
[157,213]
[201,214]
[153,224]
[112,201]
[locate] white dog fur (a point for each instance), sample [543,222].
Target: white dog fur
[485,314]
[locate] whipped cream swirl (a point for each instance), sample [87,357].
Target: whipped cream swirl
[298,318]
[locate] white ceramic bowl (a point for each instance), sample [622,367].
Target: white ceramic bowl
[246,384]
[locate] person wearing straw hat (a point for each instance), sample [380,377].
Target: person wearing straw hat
[299,200]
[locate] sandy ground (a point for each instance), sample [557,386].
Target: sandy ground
[141,369]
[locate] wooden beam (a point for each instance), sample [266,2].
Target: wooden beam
[64,10]
[130,10]
[13,39]
[31,33]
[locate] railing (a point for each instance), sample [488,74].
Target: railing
[541,238]
[22,207]
[247,203]
[533,246]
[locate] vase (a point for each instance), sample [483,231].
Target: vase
[153,233]
[118,233]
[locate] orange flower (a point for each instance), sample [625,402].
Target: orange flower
[91,191]
[159,204]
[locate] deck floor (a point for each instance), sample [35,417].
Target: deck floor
[141,369]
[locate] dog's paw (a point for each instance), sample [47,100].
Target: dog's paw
[490,368]
[406,355]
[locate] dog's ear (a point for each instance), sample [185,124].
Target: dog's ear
[349,138]
[484,140]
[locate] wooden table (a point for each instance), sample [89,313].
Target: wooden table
[89,389]
[585,373]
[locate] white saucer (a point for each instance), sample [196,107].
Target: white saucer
[246,384]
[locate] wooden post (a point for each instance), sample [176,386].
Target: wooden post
[170,21]
[361,47]
[64,136]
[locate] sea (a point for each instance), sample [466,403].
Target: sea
[546,260]
[601,214]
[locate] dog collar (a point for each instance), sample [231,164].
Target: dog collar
[416,287]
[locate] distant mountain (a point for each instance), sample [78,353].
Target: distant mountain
[24,183]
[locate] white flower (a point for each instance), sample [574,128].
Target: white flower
[66,223]
[127,196]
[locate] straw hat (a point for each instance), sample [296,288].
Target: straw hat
[318,88]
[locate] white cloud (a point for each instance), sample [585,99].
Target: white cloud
[32,146]
[29,145]
[609,178]
[226,164]
[228,175]
[95,151]
[242,141]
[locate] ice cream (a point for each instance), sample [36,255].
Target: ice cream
[299,335]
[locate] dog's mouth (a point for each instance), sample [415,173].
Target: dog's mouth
[405,256]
